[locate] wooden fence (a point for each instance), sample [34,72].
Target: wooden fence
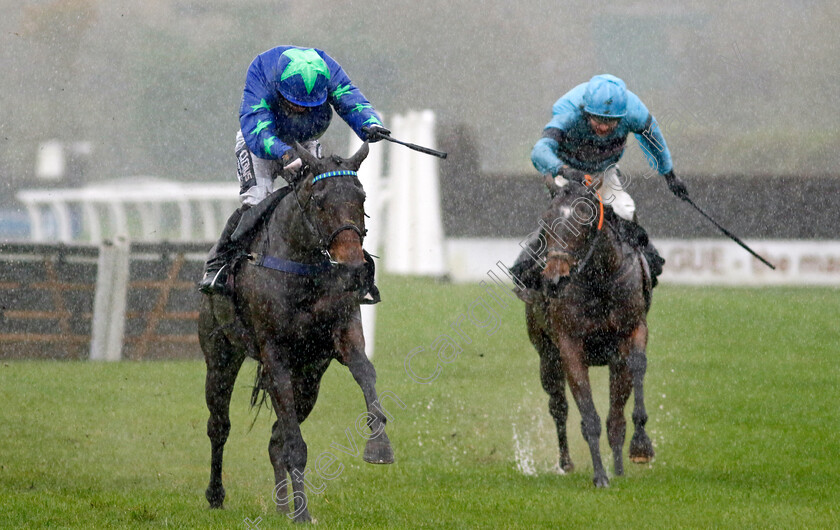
[111,301]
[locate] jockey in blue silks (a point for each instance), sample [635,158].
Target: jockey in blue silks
[588,132]
[290,94]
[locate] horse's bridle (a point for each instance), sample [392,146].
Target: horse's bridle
[580,264]
[324,243]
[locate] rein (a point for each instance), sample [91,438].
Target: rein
[306,269]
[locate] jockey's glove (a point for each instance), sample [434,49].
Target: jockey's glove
[571,174]
[676,185]
[376,131]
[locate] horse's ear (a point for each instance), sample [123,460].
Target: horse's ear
[308,158]
[355,161]
[304,188]
[551,184]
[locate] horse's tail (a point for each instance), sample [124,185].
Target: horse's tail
[258,394]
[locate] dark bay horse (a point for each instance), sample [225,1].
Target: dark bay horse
[590,311]
[295,308]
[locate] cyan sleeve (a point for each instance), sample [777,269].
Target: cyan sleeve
[654,147]
[544,156]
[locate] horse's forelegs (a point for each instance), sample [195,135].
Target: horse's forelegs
[217,389]
[275,454]
[577,375]
[351,345]
[292,457]
[553,382]
[620,386]
[378,447]
[641,448]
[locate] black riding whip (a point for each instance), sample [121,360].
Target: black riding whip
[729,234]
[420,148]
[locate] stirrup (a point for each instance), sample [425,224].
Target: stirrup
[217,284]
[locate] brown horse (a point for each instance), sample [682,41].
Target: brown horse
[295,308]
[590,311]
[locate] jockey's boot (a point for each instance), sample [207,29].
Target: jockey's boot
[637,236]
[217,266]
[523,269]
[370,292]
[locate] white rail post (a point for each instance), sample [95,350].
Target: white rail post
[415,243]
[370,175]
[110,301]
[400,203]
[429,258]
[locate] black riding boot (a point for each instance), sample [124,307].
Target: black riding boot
[217,266]
[637,236]
[525,267]
[370,292]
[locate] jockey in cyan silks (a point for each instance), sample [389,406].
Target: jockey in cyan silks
[290,93]
[587,132]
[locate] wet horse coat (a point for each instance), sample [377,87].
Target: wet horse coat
[295,308]
[590,311]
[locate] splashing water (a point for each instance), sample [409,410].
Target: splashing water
[523,454]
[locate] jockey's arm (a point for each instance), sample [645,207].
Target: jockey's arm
[544,156]
[646,129]
[255,115]
[349,102]
[653,145]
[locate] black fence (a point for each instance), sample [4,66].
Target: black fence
[752,207]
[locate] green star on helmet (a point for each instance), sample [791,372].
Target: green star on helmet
[307,64]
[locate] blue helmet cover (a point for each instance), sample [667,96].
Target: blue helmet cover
[304,77]
[605,96]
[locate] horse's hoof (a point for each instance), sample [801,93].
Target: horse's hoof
[601,482]
[303,517]
[641,450]
[378,450]
[566,465]
[216,497]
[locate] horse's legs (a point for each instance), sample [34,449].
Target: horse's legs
[306,393]
[554,383]
[577,374]
[641,448]
[286,429]
[620,386]
[275,454]
[222,367]
[351,346]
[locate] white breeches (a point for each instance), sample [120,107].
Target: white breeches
[614,194]
[258,176]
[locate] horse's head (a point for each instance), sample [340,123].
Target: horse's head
[569,228]
[333,199]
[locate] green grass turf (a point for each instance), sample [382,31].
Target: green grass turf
[742,393]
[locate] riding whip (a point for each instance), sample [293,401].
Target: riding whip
[729,234]
[420,148]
